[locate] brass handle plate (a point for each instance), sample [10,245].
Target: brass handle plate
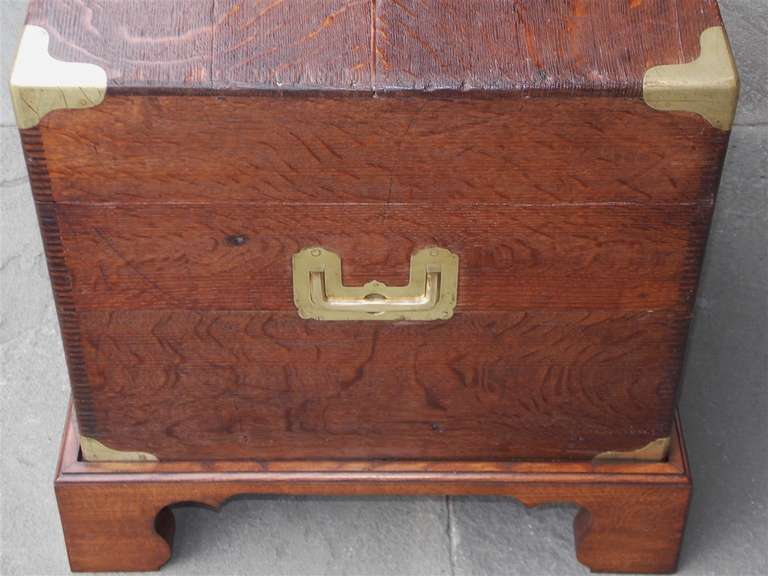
[319,293]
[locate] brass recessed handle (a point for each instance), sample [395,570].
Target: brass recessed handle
[319,293]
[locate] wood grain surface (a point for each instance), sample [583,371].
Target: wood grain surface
[235,133]
[292,44]
[139,43]
[511,258]
[484,385]
[59,274]
[523,45]
[117,516]
[534,45]
[387,150]
[155,218]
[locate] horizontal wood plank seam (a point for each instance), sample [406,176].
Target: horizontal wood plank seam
[82,473]
[704,202]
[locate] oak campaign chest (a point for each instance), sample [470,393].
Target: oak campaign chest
[434,231]
[374,246]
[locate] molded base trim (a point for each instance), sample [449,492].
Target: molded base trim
[116,515]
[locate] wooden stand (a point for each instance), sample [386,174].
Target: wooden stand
[116,516]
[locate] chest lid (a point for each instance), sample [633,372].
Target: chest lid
[675,55]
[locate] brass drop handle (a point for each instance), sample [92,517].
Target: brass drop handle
[319,293]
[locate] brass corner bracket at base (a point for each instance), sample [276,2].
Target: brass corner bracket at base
[708,86]
[95,451]
[41,84]
[655,451]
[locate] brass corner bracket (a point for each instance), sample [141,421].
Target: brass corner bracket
[95,451]
[708,86]
[41,84]
[655,451]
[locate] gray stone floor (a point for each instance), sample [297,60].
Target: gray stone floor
[724,406]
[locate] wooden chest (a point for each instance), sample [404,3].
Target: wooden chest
[344,229]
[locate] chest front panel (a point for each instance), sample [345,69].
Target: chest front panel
[174,220]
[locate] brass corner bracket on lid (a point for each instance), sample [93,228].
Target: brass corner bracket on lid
[41,84]
[708,86]
[655,451]
[95,451]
